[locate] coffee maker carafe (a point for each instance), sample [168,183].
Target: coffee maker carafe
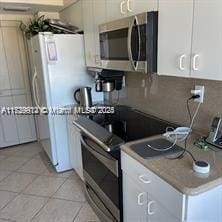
[108,80]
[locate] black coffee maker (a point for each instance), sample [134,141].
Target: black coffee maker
[108,80]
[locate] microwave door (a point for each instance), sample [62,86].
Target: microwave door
[134,43]
[113,45]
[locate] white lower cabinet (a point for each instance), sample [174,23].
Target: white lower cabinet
[147,197]
[75,147]
[8,124]
[157,213]
[135,201]
[140,206]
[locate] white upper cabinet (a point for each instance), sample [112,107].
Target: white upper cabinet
[13,58]
[94,13]
[140,6]
[116,9]
[174,37]
[89,34]
[207,40]
[99,9]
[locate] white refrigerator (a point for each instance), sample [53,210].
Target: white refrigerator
[58,68]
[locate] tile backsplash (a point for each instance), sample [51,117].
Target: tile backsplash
[165,97]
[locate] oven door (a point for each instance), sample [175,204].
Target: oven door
[100,170]
[123,44]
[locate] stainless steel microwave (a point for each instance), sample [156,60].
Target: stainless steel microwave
[130,44]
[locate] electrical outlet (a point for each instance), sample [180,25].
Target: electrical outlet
[201,93]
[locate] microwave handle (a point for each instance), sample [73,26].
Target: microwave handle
[139,37]
[129,43]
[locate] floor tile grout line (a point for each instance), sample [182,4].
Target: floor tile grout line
[7,220]
[40,209]
[78,213]
[74,201]
[23,191]
[35,174]
[10,191]
[49,198]
[59,187]
[11,172]
[17,194]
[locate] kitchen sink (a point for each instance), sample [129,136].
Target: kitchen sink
[155,148]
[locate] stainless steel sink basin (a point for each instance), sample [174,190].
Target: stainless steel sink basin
[148,149]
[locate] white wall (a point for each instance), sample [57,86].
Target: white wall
[73,14]
[51,15]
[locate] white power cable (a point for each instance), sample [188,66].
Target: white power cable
[166,148]
[176,133]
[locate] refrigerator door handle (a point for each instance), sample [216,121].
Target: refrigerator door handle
[34,78]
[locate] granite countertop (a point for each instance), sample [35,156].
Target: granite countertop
[179,172]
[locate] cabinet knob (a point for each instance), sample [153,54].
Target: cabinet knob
[150,212]
[144,179]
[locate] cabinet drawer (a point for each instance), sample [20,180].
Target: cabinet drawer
[168,196]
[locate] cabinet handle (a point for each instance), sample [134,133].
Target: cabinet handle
[121,8]
[139,197]
[182,62]
[150,212]
[196,56]
[128,6]
[143,179]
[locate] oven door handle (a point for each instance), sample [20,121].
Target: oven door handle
[91,148]
[135,19]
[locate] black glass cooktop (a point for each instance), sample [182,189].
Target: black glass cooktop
[130,124]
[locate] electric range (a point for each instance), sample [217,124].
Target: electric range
[101,137]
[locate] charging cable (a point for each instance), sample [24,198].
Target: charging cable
[176,132]
[166,148]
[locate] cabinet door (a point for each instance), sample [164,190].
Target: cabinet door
[4,75]
[174,37]
[207,40]
[25,123]
[15,57]
[8,124]
[89,33]
[116,9]
[75,147]
[134,201]
[157,213]
[99,11]
[139,6]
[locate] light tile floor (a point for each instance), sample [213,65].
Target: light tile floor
[31,190]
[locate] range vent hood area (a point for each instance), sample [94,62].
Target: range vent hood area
[33,6]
